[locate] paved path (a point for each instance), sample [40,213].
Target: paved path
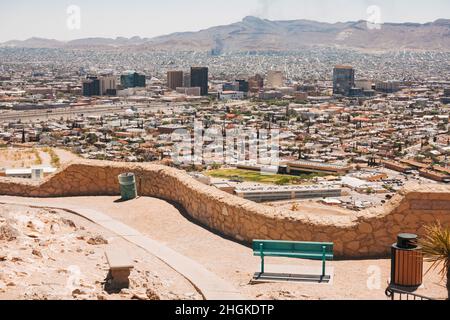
[209,284]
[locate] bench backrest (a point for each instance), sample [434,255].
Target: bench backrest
[293,247]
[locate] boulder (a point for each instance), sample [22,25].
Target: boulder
[98,240]
[8,233]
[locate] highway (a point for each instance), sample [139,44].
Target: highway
[73,112]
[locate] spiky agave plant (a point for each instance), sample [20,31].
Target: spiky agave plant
[436,248]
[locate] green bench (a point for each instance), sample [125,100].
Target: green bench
[301,250]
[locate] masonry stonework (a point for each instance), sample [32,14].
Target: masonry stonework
[365,234]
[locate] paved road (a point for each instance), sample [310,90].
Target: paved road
[72,112]
[209,284]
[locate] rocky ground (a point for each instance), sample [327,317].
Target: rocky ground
[51,254]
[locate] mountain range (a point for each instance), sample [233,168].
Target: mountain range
[255,34]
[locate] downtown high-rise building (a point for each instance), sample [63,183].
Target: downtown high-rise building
[243,85]
[199,78]
[343,80]
[174,79]
[446,98]
[275,79]
[100,86]
[132,80]
[187,80]
[91,87]
[108,85]
[256,83]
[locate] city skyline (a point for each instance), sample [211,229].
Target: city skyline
[49,19]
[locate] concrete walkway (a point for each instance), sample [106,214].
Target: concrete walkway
[209,284]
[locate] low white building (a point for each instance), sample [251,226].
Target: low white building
[191,91]
[28,173]
[279,193]
[231,95]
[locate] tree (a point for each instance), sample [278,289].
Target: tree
[436,248]
[215,166]
[91,138]
[301,147]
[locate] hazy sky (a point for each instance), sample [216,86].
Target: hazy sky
[22,19]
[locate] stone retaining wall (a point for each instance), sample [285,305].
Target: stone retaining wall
[369,233]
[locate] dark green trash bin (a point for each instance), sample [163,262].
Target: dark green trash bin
[127,183]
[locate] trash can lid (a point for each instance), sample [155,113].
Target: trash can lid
[408,236]
[128,174]
[407,240]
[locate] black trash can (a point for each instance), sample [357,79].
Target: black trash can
[406,261]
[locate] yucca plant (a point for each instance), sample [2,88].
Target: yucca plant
[436,248]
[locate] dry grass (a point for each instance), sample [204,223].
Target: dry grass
[256,176]
[37,156]
[55,161]
[15,158]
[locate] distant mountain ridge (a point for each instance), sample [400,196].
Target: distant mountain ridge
[78,43]
[255,34]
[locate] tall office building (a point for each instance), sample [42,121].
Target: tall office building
[446,98]
[108,85]
[199,78]
[91,87]
[256,83]
[243,85]
[187,80]
[343,80]
[174,79]
[275,79]
[132,80]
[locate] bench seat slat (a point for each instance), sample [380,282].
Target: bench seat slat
[292,246]
[312,255]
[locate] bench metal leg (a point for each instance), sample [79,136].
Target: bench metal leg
[261,248]
[323,269]
[262,264]
[323,262]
